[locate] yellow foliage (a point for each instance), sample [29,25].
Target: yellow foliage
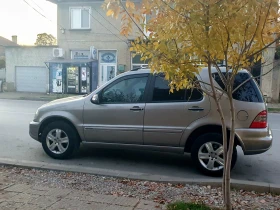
[184,35]
[109,12]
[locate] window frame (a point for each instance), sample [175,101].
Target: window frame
[70,17]
[136,64]
[151,93]
[100,93]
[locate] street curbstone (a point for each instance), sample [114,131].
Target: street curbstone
[250,186]
[274,189]
[214,182]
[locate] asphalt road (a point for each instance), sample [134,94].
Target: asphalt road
[15,143]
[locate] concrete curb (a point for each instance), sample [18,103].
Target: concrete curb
[30,99]
[33,97]
[215,182]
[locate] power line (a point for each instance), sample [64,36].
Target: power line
[104,26]
[61,27]
[108,21]
[37,5]
[42,14]
[64,28]
[96,41]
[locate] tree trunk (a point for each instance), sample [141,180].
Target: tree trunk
[226,193]
[230,151]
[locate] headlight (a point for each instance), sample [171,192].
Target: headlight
[36,116]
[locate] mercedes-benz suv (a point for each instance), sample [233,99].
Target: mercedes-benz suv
[136,110]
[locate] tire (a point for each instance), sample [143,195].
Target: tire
[203,164]
[54,140]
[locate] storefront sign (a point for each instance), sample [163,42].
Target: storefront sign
[84,73]
[80,54]
[57,78]
[84,79]
[108,58]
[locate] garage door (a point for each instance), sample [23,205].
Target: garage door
[31,79]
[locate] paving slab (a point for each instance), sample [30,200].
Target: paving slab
[147,205]
[18,188]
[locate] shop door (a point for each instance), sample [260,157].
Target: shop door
[108,72]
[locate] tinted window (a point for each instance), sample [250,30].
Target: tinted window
[126,91]
[194,95]
[162,92]
[247,92]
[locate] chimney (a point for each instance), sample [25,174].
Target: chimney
[14,39]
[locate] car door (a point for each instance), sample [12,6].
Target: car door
[167,115]
[119,116]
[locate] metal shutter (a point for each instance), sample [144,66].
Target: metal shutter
[31,79]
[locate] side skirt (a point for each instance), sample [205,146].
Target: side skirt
[178,150]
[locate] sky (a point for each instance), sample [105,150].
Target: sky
[18,18]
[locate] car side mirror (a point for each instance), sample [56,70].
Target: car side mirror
[95,99]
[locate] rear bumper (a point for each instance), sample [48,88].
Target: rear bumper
[255,141]
[34,130]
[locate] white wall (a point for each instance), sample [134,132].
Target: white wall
[24,56]
[2,73]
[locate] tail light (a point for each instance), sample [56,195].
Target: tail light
[260,121]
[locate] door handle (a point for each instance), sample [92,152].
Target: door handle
[196,109]
[136,108]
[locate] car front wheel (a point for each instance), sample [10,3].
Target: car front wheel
[60,140]
[207,154]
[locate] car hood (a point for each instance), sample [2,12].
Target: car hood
[63,101]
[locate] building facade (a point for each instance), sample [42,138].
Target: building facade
[89,52]
[92,49]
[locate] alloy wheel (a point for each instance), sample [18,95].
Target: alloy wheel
[210,156]
[57,141]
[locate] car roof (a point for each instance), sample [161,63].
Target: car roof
[203,72]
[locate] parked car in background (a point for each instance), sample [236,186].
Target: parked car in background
[136,110]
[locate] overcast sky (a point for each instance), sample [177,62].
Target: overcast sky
[17,18]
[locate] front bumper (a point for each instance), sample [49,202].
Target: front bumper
[255,141]
[34,130]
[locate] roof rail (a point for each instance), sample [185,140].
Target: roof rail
[136,69]
[143,66]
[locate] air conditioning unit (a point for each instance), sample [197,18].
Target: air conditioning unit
[58,52]
[93,53]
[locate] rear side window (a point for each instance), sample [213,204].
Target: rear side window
[161,92]
[248,92]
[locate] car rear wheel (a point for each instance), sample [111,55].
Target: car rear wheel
[207,154]
[60,140]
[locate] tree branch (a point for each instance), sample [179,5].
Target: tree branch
[174,10]
[133,20]
[265,47]
[254,78]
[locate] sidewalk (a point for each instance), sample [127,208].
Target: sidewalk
[32,197]
[32,96]
[273,106]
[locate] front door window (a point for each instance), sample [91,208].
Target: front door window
[126,91]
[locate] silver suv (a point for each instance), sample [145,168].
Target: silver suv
[135,110]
